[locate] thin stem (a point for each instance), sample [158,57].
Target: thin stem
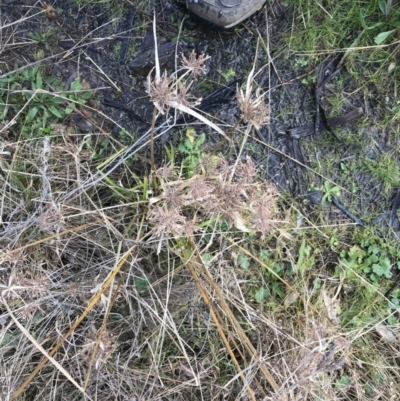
[153,165]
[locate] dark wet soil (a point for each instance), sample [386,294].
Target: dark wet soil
[111,46]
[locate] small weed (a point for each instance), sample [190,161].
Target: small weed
[301,62]
[271,274]
[386,169]
[228,75]
[329,191]
[191,151]
[38,101]
[45,39]
[372,258]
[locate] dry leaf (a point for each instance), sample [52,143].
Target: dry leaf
[385,332]
[332,305]
[290,299]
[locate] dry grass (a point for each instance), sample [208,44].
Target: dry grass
[160,340]
[163,339]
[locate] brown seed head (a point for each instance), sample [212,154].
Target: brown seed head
[195,64]
[253,108]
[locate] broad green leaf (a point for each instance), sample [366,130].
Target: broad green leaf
[374,249]
[276,288]
[32,113]
[207,257]
[379,39]
[55,111]
[243,261]
[201,139]
[385,6]
[87,95]
[383,268]
[76,85]
[261,294]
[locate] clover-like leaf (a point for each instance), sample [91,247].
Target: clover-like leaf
[383,268]
[261,294]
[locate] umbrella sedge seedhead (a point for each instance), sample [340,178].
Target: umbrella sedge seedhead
[254,110]
[246,172]
[195,65]
[264,209]
[167,92]
[173,196]
[184,97]
[167,220]
[185,205]
[160,91]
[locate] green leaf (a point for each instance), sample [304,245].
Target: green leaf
[76,85]
[379,39]
[317,283]
[32,113]
[394,303]
[277,289]
[304,252]
[141,284]
[39,81]
[374,249]
[364,24]
[207,257]
[343,382]
[243,261]
[383,268]
[261,294]
[55,111]
[182,148]
[87,95]
[382,6]
[201,139]
[355,252]
[385,6]
[277,267]
[374,278]
[68,110]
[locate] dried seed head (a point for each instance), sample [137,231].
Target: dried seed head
[199,189]
[173,196]
[165,172]
[246,172]
[51,219]
[167,220]
[264,209]
[160,91]
[195,65]
[190,227]
[184,97]
[253,108]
